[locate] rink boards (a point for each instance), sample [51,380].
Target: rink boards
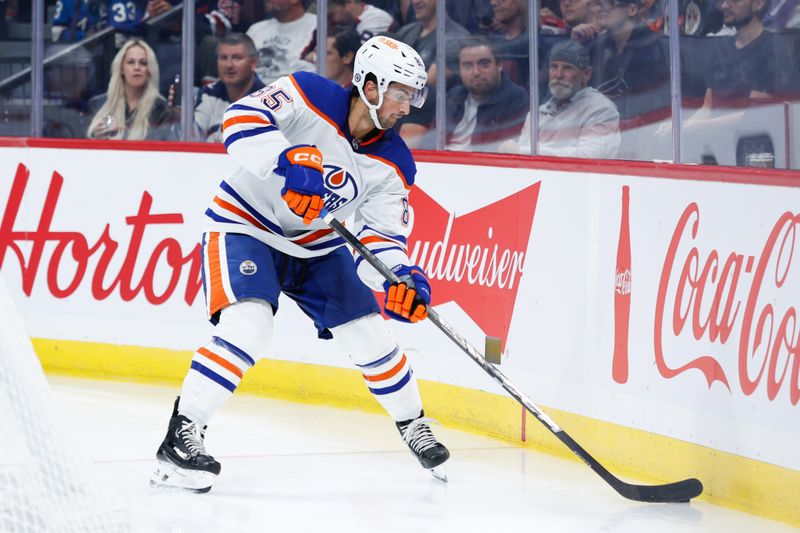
[664,339]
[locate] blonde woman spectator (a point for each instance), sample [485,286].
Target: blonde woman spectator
[132,108]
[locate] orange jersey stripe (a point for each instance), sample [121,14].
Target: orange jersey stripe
[316,235]
[217,299]
[227,365]
[313,107]
[374,139]
[332,123]
[371,239]
[241,212]
[389,373]
[246,119]
[313,236]
[395,167]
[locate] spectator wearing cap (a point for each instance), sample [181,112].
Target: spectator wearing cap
[488,108]
[577,120]
[629,63]
[751,64]
[367,19]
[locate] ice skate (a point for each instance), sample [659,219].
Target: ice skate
[183,463]
[431,453]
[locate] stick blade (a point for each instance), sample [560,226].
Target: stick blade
[678,492]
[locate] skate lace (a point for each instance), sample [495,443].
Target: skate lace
[191,438]
[418,434]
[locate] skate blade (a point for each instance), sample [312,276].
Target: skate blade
[170,477]
[439,473]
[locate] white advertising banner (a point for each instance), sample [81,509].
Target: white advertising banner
[666,305]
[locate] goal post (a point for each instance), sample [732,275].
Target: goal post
[45,483]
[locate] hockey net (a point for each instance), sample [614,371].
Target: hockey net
[45,485]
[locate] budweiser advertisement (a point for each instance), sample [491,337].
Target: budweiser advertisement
[696,339]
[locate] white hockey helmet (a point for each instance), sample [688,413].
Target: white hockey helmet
[389,60]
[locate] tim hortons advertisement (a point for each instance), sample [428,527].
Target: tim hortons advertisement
[665,305]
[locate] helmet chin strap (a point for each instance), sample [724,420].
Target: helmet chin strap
[373,109]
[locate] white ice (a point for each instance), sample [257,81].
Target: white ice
[289,467]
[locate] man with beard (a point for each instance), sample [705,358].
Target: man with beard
[236,67]
[578,120]
[301,144]
[487,109]
[281,39]
[751,64]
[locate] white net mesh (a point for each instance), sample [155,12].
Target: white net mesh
[45,485]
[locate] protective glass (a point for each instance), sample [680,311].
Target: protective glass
[416,99]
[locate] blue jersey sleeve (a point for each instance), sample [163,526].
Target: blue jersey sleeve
[76,17]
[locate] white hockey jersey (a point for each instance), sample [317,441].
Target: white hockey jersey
[369,181]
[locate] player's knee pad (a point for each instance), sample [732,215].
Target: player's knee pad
[248,325]
[365,339]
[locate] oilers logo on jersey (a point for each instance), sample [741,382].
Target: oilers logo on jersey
[248,267]
[341,186]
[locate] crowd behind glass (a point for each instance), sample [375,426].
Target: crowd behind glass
[604,76]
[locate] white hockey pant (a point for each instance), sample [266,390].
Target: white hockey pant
[385,368]
[241,338]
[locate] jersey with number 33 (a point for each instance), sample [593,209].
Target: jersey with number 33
[126,15]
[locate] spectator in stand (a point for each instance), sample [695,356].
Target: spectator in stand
[236,63]
[216,18]
[509,30]
[367,19]
[282,38]
[584,19]
[127,17]
[652,12]
[577,121]
[471,14]
[73,20]
[488,108]
[752,64]
[421,35]
[343,43]
[630,65]
[132,108]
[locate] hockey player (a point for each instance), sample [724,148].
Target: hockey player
[301,143]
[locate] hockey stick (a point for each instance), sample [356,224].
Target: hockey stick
[680,491]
